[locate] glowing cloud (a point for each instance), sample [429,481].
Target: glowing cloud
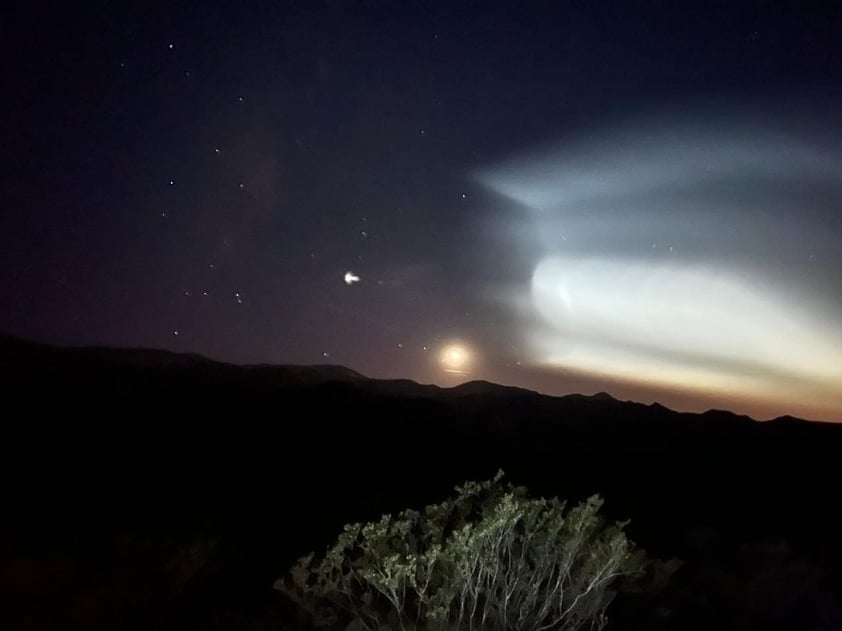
[682,255]
[681,325]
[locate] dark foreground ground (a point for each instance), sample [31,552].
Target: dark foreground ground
[146,490]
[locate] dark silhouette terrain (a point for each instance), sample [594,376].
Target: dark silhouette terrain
[145,489]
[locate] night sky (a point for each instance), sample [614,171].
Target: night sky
[641,198]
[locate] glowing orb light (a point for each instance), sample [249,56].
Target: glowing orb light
[455,358]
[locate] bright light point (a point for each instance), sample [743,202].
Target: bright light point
[351,278]
[455,359]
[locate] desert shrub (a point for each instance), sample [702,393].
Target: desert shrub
[488,559]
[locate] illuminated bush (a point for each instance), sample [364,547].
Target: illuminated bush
[488,559]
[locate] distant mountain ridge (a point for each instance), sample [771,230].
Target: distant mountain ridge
[108,445]
[23,358]
[159,423]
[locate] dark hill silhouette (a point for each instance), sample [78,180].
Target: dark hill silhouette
[108,445]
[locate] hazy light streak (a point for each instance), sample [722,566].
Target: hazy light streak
[633,162]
